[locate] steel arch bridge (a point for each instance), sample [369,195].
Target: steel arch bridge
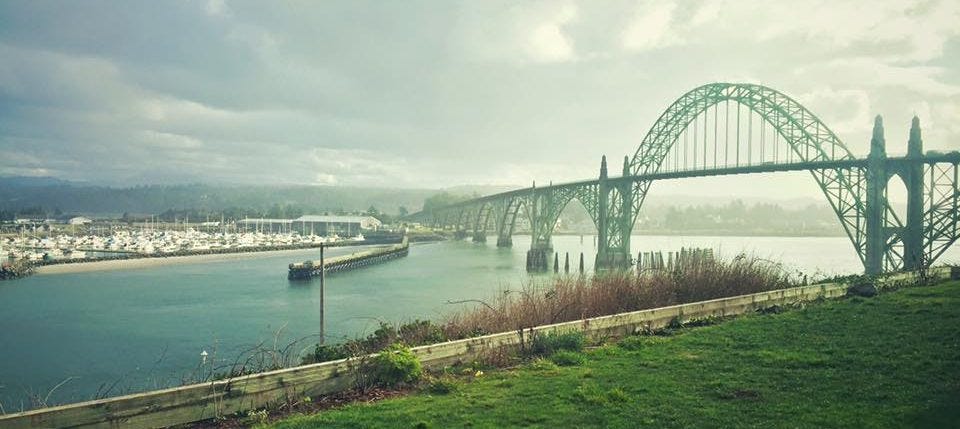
[733,128]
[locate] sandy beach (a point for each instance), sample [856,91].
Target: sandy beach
[137,263]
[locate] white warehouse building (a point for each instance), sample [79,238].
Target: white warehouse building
[348,226]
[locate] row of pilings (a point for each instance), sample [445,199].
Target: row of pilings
[538,260]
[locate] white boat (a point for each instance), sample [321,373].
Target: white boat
[76,254]
[53,253]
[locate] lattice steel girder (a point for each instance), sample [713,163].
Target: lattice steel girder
[942,214]
[809,138]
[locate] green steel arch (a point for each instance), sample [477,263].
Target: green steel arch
[809,138]
[483,218]
[507,220]
[542,210]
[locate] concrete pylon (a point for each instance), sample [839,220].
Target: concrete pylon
[913,179]
[876,201]
[614,220]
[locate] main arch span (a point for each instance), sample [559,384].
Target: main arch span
[733,128]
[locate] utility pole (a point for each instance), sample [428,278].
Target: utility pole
[323,309]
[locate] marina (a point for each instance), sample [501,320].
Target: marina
[133,242]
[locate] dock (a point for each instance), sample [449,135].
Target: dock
[308,269]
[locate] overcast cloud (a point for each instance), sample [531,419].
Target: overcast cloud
[441,93]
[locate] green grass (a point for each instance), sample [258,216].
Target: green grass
[889,361]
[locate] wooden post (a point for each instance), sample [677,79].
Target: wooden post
[323,309]
[566,264]
[556,262]
[581,262]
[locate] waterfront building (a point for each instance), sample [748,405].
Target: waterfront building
[324,225]
[79,220]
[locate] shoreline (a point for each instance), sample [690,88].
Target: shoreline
[158,261]
[704,234]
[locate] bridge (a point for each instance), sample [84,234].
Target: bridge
[730,129]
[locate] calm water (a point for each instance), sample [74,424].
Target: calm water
[146,328]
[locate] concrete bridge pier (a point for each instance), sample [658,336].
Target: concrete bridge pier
[479,236]
[538,258]
[616,260]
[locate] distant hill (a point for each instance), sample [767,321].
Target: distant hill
[24,181]
[51,194]
[666,214]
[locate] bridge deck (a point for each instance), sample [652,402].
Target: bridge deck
[952,158]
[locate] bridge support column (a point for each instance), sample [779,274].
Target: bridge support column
[541,248]
[913,178]
[876,201]
[479,236]
[538,259]
[460,234]
[615,220]
[602,202]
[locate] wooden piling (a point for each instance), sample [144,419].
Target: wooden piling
[323,308]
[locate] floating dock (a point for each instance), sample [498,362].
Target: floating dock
[308,269]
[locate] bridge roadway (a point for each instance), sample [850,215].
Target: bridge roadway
[951,158]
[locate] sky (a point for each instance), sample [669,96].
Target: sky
[431,94]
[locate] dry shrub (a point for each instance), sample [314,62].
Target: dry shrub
[577,297]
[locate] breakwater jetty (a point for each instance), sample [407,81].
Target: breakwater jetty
[14,270]
[308,269]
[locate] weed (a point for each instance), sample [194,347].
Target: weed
[617,395]
[540,364]
[443,385]
[568,358]
[253,418]
[396,365]
[590,394]
[324,353]
[633,343]
[553,341]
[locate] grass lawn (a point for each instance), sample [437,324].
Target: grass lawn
[889,361]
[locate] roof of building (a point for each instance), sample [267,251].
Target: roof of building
[335,219]
[264,220]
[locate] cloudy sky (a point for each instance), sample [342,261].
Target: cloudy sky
[438,93]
